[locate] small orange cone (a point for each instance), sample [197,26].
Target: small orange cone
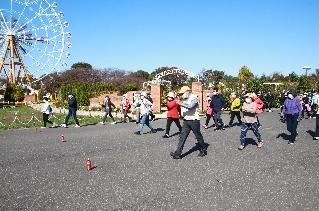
[62,138]
[88,165]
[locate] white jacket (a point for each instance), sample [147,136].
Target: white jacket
[145,107]
[189,108]
[46,108]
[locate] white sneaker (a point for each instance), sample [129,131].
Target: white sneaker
[63,125]
[77,126]
[113,123]
[102,123]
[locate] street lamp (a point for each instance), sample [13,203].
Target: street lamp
[306,68]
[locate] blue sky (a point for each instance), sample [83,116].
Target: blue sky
[266,35]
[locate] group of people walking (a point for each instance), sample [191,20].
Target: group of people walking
[185,105]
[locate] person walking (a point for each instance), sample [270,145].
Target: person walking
[149,97]
[292,111]
[137,104]
[217,104]
[306,107]
[316,136]
[108,105]
[249,121]
[172,113]
[260,106]
[73,107]
[126,106]
[269,101]
[145,108]
[46,110]
[234,109]
[209,111]
[190,114]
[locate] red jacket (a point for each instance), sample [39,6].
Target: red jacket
[260,105]
[172,109]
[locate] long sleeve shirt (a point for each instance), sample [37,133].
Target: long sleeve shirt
[292,106]
[189,108]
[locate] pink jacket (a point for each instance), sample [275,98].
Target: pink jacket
[260,105]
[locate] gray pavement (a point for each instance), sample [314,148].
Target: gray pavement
[38,172]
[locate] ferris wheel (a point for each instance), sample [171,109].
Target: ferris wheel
[34,39]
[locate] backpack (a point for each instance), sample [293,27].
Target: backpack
[50,109]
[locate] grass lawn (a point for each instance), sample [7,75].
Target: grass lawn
[7,116]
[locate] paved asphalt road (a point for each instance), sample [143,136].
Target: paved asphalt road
[132,172]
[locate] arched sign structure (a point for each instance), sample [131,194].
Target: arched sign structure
[158,78]
[175,71]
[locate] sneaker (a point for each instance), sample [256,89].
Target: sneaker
[290,142]
[77,126]
[166,136]
[316,138]
[241,147]
[205,126]
[175,155]
[137,133]
[260,144]
[102,123]
[63,125]
[202,153]
[153,131]
[113,123]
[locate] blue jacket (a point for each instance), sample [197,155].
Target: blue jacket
[218,102]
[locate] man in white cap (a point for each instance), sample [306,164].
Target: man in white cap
[190,113]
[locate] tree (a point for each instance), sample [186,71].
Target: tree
[142,74]
[245,75]
[212,77]
[129,87]
[13,93]
[81,65]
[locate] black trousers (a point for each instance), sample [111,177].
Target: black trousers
[188,126]
[72,112]
[169,122]
[232,116]
[208,117]
[218,120]
[46,119]
[292,123]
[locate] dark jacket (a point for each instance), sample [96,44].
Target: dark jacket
[72,102]
[108,106]
[218,102]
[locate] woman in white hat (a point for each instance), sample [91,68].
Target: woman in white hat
[172,113]
[145,108]
[249,121]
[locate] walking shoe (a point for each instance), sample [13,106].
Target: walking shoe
[153,131]
[175,155]
[205,126]
[113,123]
[137,133]
[315,138]
[166,136]
[290,142]
[63,125]
[77,125]
[202,153]
[241,147]
[102,123]
[260,144]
